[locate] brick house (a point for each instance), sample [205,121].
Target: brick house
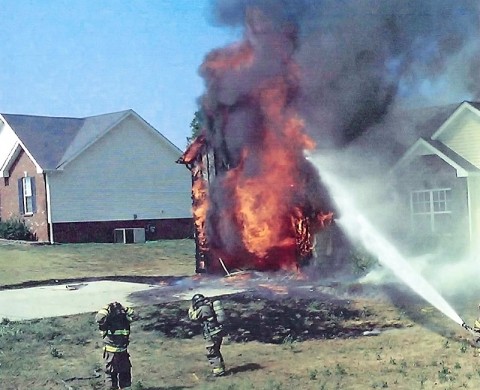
[78,179]
[438,180]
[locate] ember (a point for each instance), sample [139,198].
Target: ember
[257,202]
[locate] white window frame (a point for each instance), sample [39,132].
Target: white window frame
[27,195]
[430,202]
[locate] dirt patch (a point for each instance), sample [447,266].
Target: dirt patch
[254,317]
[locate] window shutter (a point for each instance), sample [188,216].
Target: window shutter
[34,195]
[20,197]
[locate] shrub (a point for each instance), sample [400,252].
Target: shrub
[15,229]
[362,261]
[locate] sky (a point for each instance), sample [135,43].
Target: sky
[77,58]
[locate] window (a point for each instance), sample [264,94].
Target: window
[431,209]
[26,195]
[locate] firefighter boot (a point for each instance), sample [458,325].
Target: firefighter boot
[218,371]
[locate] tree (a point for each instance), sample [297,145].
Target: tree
[196,125]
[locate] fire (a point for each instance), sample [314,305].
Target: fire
[200,207]
[264,202]
[193,159]
[258,210]
[236,57]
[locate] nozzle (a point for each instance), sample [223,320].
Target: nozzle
[469,328]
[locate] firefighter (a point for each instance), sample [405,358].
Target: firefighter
[476,329]
[211,316]
[114,322]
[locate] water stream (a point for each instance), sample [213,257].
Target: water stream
[359,228]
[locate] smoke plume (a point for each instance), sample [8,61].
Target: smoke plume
[356,58]
[312,73]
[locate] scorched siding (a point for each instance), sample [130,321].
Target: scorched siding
[129,173]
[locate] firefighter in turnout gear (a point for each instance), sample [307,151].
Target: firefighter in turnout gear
[211,316]
[114,322]
[476,329]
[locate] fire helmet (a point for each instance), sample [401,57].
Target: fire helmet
[196,299]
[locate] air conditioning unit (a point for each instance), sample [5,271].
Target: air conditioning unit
[129,235]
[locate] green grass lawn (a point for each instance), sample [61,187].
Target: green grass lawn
[23,262]
[55,353]
[426,350]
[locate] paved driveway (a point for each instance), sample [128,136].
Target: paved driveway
[62,300]
[86,297]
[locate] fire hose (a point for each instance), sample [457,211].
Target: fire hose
[471,330]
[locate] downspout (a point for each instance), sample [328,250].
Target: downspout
[469,207]
[49,209]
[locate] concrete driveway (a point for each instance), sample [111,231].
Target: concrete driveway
[66,299]
[87,297]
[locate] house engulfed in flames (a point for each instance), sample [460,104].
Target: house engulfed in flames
[257,201]
[251,249]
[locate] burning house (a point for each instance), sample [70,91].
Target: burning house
[306,76]
[252,229]
[266,235]
[257,201]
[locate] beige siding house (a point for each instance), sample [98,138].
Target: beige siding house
[439,179]
[91,176]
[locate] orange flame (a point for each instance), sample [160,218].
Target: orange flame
[200,206]
[264,216]
[235,57]
[264,201]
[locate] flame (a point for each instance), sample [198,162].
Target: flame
[236,57]
[193,151]
[263,206]
[193,159]
[199,206]
[261,216]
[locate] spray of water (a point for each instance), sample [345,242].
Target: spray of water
[359,228]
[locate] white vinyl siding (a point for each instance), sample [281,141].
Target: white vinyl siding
[474,207]
[129,172]
[463,137]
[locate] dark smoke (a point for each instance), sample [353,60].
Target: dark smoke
[343,64]
[358,57]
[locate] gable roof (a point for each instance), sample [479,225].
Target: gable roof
[470,106]
[431,145]
[46,138]
[401,129]
[475,104]
[54,141]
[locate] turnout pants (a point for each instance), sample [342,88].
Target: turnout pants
[118,370]
[214,356]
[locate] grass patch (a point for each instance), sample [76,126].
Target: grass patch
[270,344]
[21,263]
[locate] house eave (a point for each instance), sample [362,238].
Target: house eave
[128,113]
[460,109]
[14,152]
[12,155]
[421,143]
